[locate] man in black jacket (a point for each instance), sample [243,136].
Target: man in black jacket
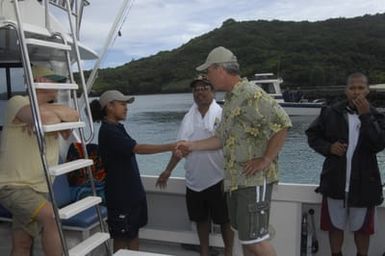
[349,134]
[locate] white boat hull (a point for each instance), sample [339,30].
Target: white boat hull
[168,219]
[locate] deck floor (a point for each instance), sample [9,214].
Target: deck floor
[174,249]
[152,247]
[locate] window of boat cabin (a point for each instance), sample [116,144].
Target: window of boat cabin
[267,87]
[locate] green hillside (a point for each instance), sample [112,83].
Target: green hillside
[305,54]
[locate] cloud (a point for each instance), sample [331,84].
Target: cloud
[157,25]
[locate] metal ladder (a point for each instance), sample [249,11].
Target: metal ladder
[57,42]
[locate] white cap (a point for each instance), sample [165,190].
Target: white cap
[113,95]
[218,55]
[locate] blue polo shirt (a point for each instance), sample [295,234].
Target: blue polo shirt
[124,187]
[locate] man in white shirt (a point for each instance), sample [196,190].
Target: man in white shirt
[205,197]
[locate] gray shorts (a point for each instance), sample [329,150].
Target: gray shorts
[24,203]
[346,217]
[249,212]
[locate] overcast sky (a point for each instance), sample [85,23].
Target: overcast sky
[157,25]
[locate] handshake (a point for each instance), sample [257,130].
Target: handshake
[182,148]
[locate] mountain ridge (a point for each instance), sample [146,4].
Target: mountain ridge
[306,54]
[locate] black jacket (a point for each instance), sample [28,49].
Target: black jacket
[365,180]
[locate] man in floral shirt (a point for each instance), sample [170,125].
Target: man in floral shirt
[252,132]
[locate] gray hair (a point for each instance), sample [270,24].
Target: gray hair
[231,68]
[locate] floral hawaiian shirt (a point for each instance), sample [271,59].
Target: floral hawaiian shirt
[250,118]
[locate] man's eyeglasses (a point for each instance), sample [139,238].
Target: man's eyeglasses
[202,88]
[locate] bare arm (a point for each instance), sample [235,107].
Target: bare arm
[211,143]
[64,113]
[183,148]
[50,114]
[153,148]
[25,116]
[163,177]
[273,147]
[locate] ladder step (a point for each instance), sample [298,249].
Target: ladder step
[63,126]
[56,86]
[89,244]
[79,206]
[53,45]
[70,166]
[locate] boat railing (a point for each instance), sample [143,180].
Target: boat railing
[257,75]
[266,77]
[76,7]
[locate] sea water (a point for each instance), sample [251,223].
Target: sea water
[154,119]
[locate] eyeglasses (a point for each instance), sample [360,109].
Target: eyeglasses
[202,88]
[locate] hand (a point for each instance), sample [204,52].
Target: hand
[338,148]
[362,104]
[162,179]
[182,148]
[255,165]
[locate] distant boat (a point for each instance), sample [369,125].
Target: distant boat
[377,87]
[291,100]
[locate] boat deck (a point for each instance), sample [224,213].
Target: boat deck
[148,247]
[134,253]
[156,248]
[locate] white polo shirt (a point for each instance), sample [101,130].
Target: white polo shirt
[203,168]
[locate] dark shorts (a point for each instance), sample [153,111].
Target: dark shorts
[126,224]
[208,203]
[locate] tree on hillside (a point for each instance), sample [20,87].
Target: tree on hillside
[304,53]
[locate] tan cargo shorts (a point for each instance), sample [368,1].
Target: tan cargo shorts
[24,203]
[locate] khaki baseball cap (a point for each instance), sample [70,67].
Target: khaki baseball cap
[114,95]
[42,71]
[218,55]
[200,78]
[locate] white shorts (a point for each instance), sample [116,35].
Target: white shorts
[345,217]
